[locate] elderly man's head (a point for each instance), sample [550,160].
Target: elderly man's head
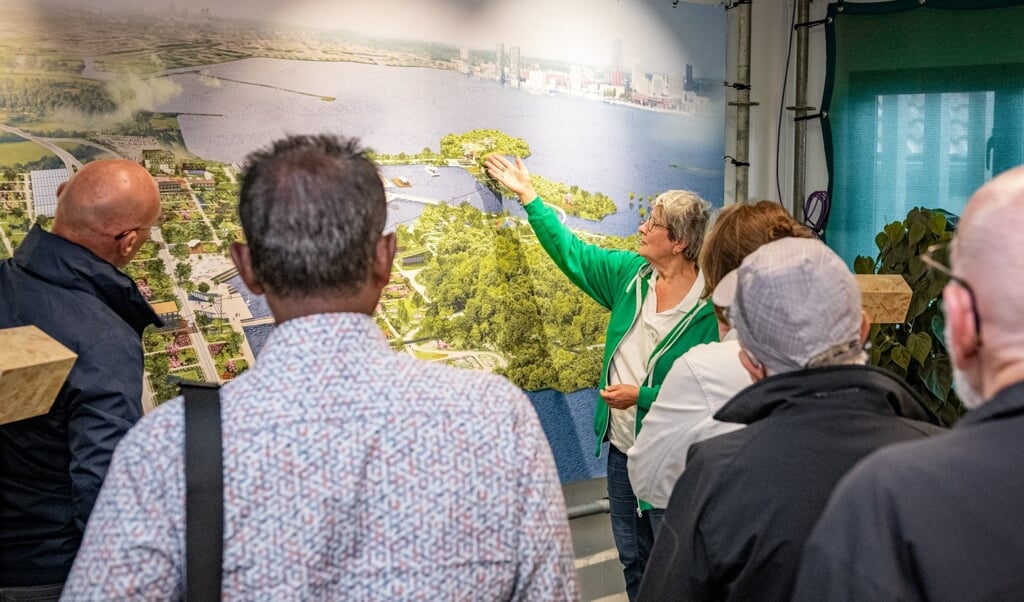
[985,302]
[794,305]
[313,211]
[108,207]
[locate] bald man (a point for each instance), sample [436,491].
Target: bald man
[68,284]
[943,519]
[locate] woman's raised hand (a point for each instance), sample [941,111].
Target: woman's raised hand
[513,176]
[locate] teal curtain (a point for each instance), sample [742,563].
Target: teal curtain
[924,102]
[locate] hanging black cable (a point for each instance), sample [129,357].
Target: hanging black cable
[782,104]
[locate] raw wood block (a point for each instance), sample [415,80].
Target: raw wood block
[886,297]
[33,366]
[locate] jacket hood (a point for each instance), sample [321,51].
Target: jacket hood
[828,386]
[73,267]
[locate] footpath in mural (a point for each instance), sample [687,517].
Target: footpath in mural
[609,106]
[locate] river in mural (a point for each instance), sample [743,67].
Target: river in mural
[610,148]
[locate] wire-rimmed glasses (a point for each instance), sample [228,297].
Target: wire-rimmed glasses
[159,222]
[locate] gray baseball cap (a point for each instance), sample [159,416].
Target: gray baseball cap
[794,305]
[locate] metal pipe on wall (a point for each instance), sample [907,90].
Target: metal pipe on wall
[800,108]
[742,102]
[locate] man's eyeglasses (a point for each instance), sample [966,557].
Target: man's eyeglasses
[127,232]
[159,222]
[931,258]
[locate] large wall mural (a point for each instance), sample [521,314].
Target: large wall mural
[610,102]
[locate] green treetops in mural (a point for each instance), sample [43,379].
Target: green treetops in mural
[476,144]
[573,199]
[492,288]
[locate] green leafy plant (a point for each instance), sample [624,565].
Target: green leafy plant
[916,349]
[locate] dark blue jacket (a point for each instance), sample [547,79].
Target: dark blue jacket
[52,466]
[929,520]
[738,517]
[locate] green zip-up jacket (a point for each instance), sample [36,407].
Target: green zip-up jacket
[612,277]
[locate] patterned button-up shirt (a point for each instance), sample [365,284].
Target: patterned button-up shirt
[350,472]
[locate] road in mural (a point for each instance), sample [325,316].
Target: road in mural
[610,103]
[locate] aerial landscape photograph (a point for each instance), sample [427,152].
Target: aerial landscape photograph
[609,108]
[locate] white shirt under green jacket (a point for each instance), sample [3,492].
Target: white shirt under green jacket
[619,281]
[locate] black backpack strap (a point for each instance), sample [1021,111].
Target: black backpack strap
[204,492]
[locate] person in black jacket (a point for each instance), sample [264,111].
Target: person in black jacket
[738,517]
[941,519]
[68,285]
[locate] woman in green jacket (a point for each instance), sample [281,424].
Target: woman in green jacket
[658,311]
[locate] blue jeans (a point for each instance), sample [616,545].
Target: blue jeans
[656,516]
[632,531]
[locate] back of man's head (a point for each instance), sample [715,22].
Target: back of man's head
[985,333]
[794,305]
[108,207]
[313,210]
[989,252]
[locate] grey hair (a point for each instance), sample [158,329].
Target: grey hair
[686,216]
[851,353]
[312,209]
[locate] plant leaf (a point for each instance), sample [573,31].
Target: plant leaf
[893,367]
[918,303]
[881,240]
[881,336]
[939,328]
[937,223]
[937,376]
[895,260]
[917,268]
[895,231]
[919,344]
[935,282]
[863,265]
[917,232]
[900,356]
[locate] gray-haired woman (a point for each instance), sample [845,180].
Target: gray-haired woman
[657,314]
